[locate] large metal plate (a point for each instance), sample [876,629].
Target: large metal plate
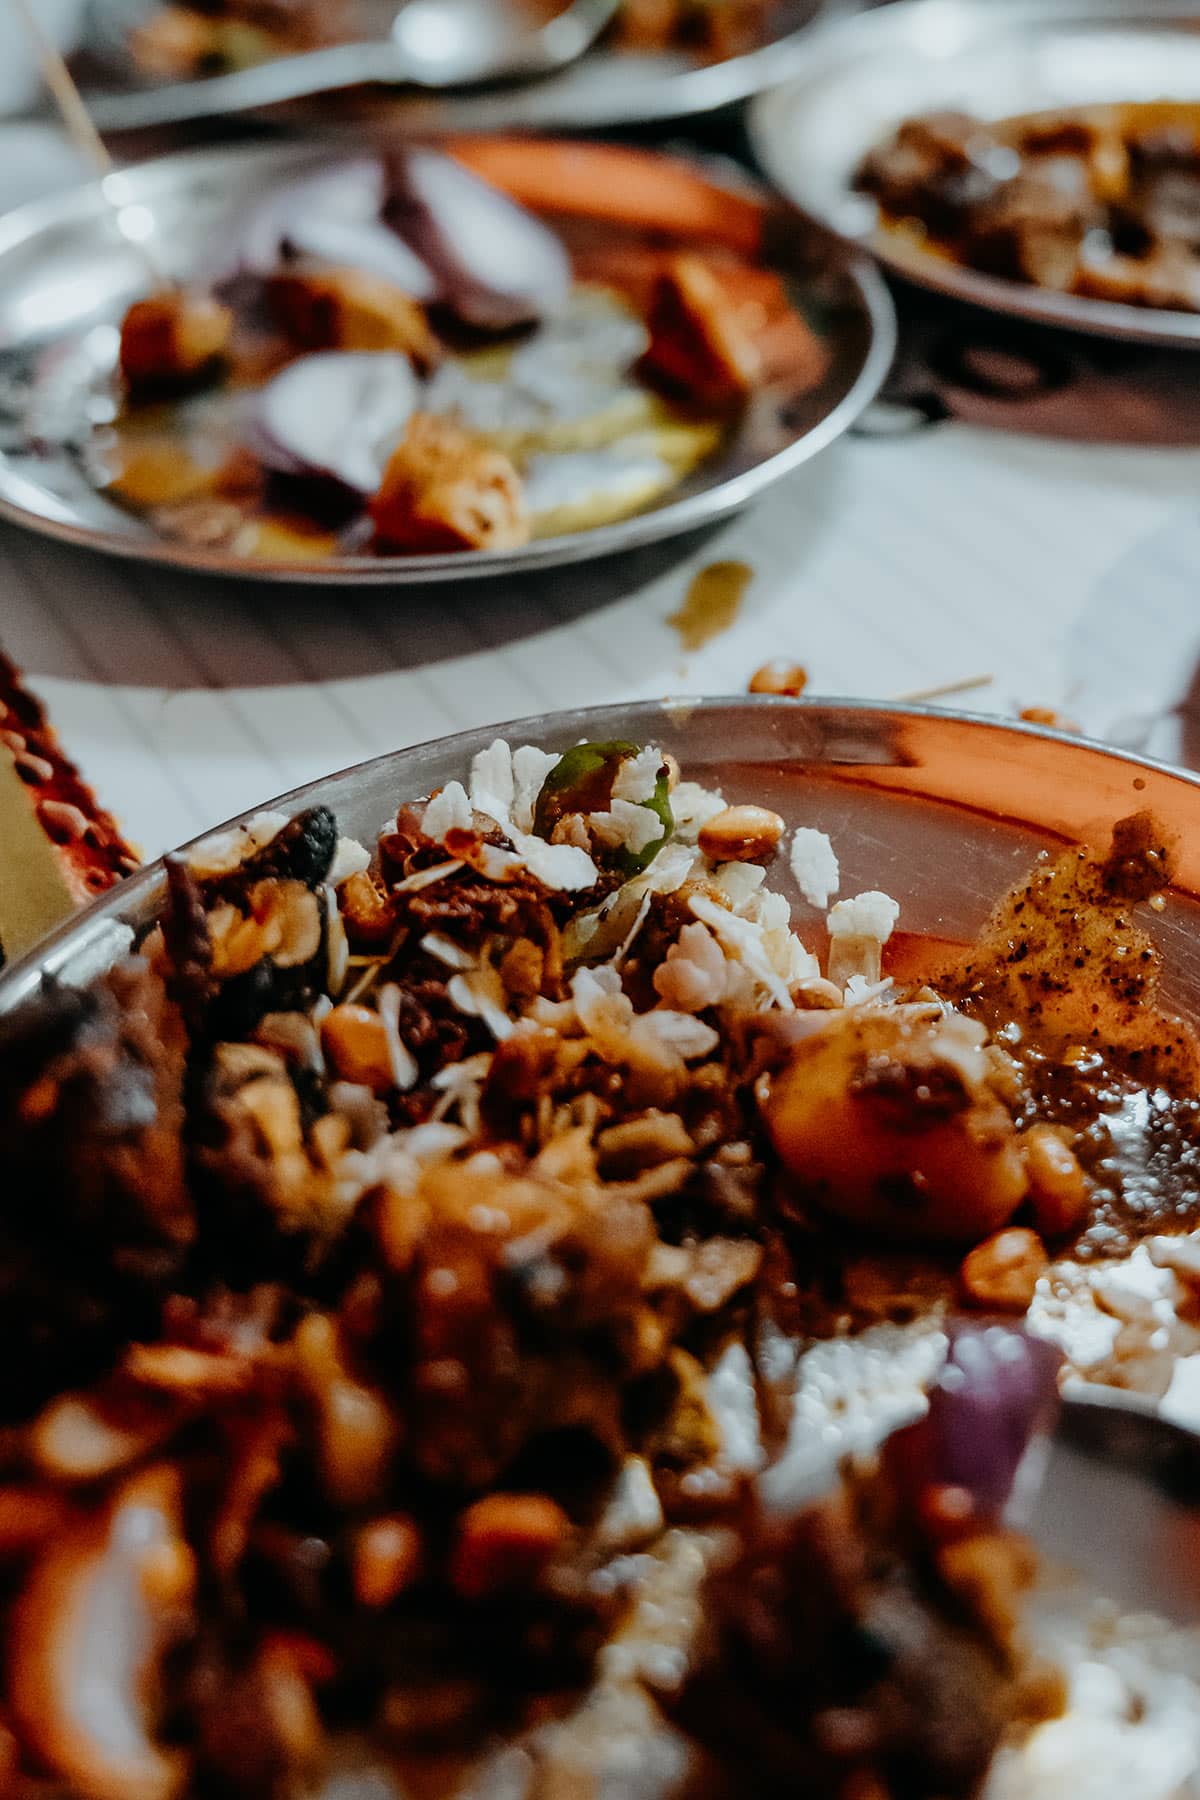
[944,811]
[994,58]
[66,278]
[606,88]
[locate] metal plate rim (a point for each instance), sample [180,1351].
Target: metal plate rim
[836,43]
[614,719]
[686,94]
[674,519]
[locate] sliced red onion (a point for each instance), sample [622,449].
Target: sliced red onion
[337,416]
[497,266]
[995,1397]
[334,217]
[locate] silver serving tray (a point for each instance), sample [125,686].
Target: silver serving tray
[67,277]
[996,58]
[605,88]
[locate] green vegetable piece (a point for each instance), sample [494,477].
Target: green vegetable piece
[581,781]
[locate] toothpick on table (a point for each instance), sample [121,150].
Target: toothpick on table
[80,127]
[945,690]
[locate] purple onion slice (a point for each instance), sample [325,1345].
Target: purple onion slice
[333,217]
[335,416]
[995,1398]
[497,266]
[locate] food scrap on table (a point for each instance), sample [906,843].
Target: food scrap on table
[712,603]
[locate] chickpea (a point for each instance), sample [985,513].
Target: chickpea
[173,338]
[1002,1273]
[785,678]
[505,1541]
[1057,1184]
[889,1123]
[356,1042]
[741,834]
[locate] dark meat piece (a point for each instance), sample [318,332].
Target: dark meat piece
[96,1219]
[936,169]
[1033,227]
[833,1658]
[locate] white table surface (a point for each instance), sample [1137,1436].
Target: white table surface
[1028,539]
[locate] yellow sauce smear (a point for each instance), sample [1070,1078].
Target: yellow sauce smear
[713,603]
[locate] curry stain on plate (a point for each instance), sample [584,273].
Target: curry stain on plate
[713,603]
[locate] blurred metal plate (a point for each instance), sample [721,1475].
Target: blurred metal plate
[605,88]
[994,58]
[67,277]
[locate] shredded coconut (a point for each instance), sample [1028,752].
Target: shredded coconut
[437,944]
[745,938]
[530,769]
[480,994]
[637,777]
[492,783]
[350,858]
[401,1058]
[693,976]
[559,866]
[858,930]
[815,866]
[692,807]
[449,810]
[412,884]
[627,826]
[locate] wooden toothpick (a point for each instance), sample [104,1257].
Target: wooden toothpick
[81,129]
[947,688]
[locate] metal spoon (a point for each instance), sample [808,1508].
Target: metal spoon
[433,44]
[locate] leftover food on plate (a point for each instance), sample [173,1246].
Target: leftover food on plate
[1100,201]
[400,358]
[213,37]
[426,1266]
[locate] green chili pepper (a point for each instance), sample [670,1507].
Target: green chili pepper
[582,781]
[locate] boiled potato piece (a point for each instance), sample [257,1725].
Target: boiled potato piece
[888,1121]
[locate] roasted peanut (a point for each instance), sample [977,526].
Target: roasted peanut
[741,834]
[356,1042]
[387,1557]
[504,1542]
[1046,715]
[1002,1273]
[1057,1184]
[779,677]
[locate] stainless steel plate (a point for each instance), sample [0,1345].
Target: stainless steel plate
[995,58]
[606,88]
[66,278]
[942,810]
